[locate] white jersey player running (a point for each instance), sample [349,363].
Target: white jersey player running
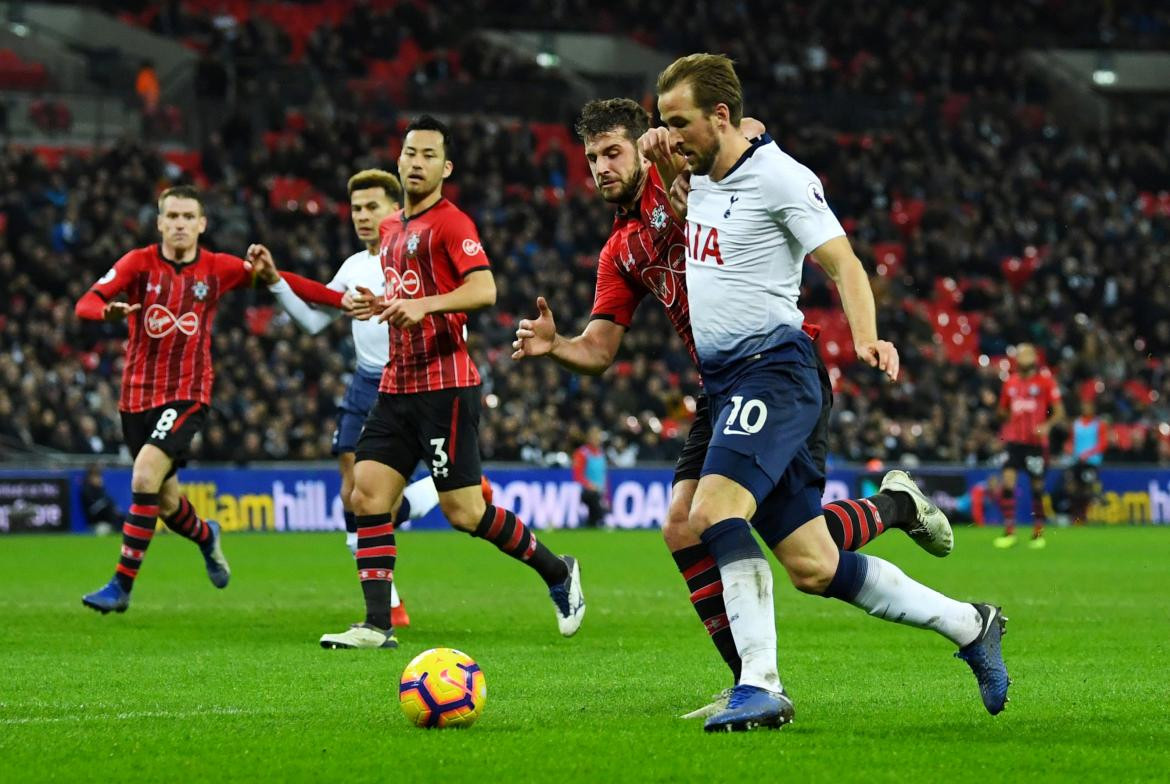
[753,214]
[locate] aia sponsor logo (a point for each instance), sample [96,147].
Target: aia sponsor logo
[404,284]
[471,247]
[160,322]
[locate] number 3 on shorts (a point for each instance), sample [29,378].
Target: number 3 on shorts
[751,417]
[439,464]
[164,424]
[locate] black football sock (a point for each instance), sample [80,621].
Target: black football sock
[137,532]
[376,554]
[701,572]
[503,529]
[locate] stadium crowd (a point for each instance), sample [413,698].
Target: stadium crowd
[966,195]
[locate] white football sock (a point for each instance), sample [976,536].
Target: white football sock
[888,593]
[422,495]
[351,542]
[394,600]
[747,593]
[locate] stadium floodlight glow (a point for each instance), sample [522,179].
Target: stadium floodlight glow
[548,60]
[18,29]
[1104,77]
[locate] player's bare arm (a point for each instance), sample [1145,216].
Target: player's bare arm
[590,353]
[263,265]
[478,291]
[837,259]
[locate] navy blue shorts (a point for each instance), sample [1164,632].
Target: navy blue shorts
[359,398]
[761,421]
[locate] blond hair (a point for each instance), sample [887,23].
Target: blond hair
[712,79]
[376,178]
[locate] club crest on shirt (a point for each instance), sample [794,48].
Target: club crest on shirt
[200,290]
[658,218]
[412,244]
[1033,390]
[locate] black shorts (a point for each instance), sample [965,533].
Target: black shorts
[1085,477]
[438,428]
[171,428]
[694,452]
[1032,460]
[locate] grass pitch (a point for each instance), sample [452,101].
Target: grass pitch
[195,684]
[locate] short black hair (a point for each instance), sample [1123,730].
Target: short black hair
[427,122]
[181,192]
[604,116]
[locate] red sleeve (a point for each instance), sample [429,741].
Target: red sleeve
[615,297]
[461,241]
[114,282]
[312,291]
[232,271]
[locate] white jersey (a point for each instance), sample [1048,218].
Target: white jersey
[747,236]
[371,340]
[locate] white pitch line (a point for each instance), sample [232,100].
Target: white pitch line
[128,715]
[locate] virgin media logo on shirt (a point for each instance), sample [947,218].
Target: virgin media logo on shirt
[160,322]
[405,284]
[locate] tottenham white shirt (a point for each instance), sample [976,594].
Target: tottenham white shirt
[747,237]
[371,340]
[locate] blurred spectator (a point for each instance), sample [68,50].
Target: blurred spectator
[101,513]
[589,470]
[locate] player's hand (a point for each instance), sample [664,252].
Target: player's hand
[880,354]
[751,128]
[263,265]
[655,147]
[362,304]
[535,337]
[405,313]
[117,311]
[680,189]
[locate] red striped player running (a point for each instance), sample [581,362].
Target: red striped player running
[1024,403]
[429,400]
[172,293]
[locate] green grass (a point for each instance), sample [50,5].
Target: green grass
[198,684]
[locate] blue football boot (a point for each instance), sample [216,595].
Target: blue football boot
[217,566]
[985,658]
[751,707]
[109,598]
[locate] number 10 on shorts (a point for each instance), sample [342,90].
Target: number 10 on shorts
[746,418]
[439,463]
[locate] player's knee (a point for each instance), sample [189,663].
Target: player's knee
[144,481]
[363,502]
[676,530]
[462,516]
[810,573]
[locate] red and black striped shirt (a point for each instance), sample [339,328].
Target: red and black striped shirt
[168,352]
[424,255]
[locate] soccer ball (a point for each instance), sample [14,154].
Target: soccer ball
[442,687]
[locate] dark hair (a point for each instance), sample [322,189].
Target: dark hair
[181,192]
[598,117]
[428,123]
[376,178]
[712,79]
